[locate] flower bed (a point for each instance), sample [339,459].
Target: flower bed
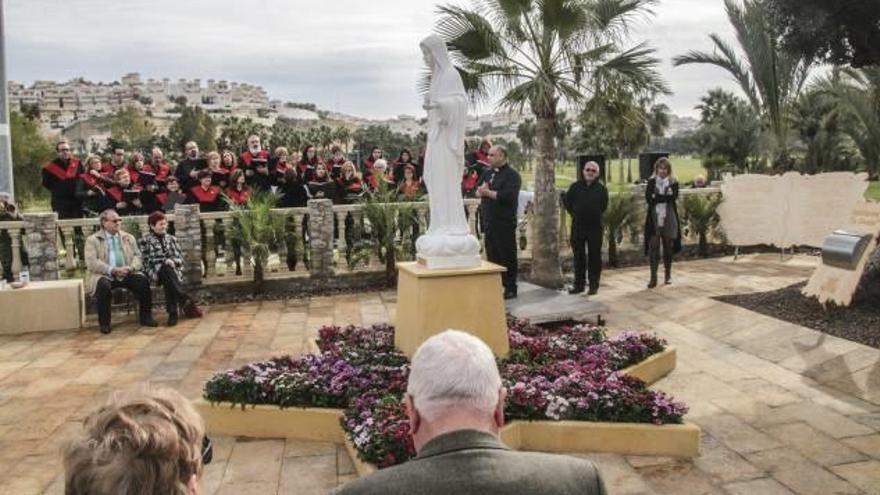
[565,373]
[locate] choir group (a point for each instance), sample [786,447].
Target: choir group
[134,185]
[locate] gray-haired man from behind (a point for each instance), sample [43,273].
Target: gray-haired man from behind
[455,404]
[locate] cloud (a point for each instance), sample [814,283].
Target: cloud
[349,55]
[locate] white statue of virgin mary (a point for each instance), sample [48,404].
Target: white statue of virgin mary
[448,242]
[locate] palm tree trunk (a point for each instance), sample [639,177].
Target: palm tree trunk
[621,166]
[629,169]
[546,268]
[258,275]
[612,250]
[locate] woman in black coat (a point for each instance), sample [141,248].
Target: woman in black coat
[662,224]
[586,201]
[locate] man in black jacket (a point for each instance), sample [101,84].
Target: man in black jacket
[586,201]
[188,169]
[499,191]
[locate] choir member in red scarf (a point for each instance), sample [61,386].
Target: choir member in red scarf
[280,165]
[404,159]
[350,185]
[308,163]
[375,154]
[410,188]
[205,195]
[470,178]
[238,191]
[159,166]
[60,177]
[91,188]
[228,161]
[335,163]
[125,195]
[321,186]
[254,155]
[171,196]
[379,175]
[219,175]
[117,161]
[481,155]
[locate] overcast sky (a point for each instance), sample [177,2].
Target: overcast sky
[354,56]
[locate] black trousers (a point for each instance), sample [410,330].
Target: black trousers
[586,247]
[174,293]
[501,249]
[136,283]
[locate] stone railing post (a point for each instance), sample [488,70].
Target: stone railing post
[41,232]
[188,230]
[321,237]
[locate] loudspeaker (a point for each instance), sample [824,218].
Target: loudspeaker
[646,163]
[583,159]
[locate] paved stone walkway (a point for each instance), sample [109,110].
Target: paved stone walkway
[784,409]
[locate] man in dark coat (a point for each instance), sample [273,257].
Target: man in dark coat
[455,406]
[586,201]
[499,191]
[60,177]
[187,171]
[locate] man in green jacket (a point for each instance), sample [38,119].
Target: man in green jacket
[455,404]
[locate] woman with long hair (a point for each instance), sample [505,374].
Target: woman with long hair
[662,225]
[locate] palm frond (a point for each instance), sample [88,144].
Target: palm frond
[469,33]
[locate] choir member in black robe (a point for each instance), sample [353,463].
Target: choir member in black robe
[60,177]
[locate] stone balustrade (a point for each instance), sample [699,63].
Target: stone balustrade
[321,240]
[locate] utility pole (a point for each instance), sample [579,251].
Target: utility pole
[6,182]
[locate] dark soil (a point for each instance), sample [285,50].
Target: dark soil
[859,322]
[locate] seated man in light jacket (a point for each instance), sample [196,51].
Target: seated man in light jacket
[114,260]
[455,405]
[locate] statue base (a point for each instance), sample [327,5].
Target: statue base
[431,301]
[449,262]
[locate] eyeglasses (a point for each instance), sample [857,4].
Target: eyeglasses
[64,150]
[207,450]
[592,170]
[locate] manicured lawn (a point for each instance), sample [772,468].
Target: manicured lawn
[685,168]
[873,191]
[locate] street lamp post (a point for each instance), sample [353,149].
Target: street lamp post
[6,181]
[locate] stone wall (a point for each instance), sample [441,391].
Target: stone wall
[42,236]
[188,230]
[321,237]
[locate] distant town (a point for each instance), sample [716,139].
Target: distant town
[75,106]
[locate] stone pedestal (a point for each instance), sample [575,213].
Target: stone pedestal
[41,245]
[431,301]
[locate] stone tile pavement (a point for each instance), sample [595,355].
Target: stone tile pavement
[783,409]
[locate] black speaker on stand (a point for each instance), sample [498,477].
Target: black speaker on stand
[583,159]
[646,163]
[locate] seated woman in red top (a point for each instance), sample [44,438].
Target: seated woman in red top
[205,195]
[351,187]
[125,196]
[410,188]
[238,191]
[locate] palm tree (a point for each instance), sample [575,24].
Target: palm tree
[342,135]
[525,132]
[770,78]
[657,121]
[537,54]
[859,95]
